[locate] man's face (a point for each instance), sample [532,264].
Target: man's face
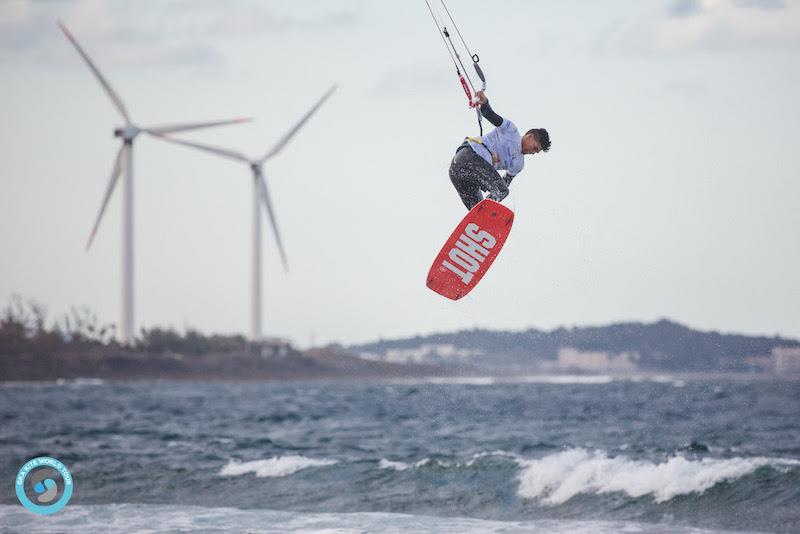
[530,145]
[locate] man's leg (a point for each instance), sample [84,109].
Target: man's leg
[469,172]
[468,190]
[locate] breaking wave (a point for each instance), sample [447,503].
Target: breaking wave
[400,466]
[277,466]
[428,462]
[557,478]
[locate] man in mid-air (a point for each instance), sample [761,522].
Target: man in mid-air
[476,162]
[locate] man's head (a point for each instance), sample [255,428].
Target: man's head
[535,141]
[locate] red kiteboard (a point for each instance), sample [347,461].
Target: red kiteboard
[470,250]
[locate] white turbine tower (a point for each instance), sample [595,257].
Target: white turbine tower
[125,159]
[260,194]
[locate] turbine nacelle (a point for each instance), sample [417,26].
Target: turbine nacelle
[127,133]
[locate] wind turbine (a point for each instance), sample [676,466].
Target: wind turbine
[124,159]
[260,194]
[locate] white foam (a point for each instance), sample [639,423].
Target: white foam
[564,379]
[402,466]
[522,379]
[497,454]
[462,380]
[389,464]
[277,466]
[80,382]
[559,477]
[153,519]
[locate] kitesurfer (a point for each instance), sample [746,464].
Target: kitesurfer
[477,160]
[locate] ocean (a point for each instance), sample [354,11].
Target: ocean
[536,454]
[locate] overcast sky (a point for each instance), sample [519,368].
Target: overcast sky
[672,188]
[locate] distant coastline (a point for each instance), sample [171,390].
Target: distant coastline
[79,347]
[620,348]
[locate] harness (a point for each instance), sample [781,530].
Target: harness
[479,141]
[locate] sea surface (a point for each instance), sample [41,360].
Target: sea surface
[539,454]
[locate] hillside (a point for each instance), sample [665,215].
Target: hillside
[662,345]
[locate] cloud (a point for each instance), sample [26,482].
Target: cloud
[253,18]
[148,32]
[710,25]
[761,4]
[118,32]
[687,88]
[421,77]
[685,8]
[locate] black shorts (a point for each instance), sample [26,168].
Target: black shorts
[471,174]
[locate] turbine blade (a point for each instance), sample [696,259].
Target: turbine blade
[173,128]
[224,152]
[115,172]
[291,133]
[114,98]
[262,183]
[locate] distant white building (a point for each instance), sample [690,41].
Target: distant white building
[570,358]
[786,359]
[274,348]
[430,353]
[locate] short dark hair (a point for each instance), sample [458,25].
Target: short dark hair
[542,136]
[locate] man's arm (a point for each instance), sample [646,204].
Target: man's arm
[487,111]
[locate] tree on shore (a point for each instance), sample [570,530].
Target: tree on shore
[24,330]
